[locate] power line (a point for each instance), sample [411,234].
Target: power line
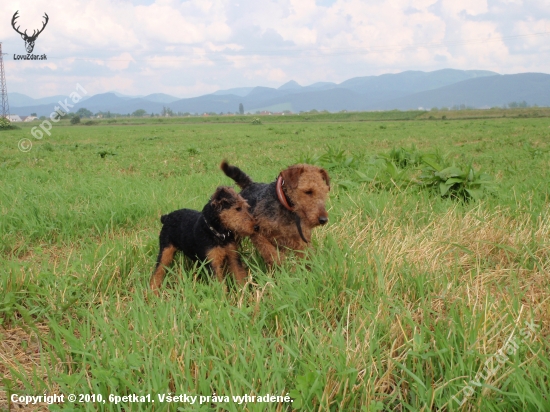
[3,88]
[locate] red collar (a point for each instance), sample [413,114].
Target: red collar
[281,194]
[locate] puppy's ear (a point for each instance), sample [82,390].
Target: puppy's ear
[291,176]
[221,199]
[325,177]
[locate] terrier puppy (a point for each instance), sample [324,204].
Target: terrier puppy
[213,235]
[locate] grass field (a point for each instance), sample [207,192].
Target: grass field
[408,301]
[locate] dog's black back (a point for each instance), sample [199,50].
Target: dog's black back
[188,231]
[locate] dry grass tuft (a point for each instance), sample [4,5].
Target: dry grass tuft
[486,248]
[21,351]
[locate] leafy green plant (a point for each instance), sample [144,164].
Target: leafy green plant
[402,157]
[104,153]
[308,387]
[390,175]
[534,152]
[48,147]
[256,121]
[341,165]
[5,124]
[402,168]
[332,159]
[75,120]
[460,182]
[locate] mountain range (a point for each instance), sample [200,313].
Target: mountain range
[402,91]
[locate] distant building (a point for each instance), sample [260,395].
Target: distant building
[29,118]
[14,118]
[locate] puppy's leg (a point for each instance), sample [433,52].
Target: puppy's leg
[269,253]
[217,257]
[165,257]
[236,266]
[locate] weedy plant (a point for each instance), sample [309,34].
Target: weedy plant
[341,165]
[333,159]
[386,174]
[5,124]
[402,168]
[534,152]
[191,151]
[104,153]
[402,157]
[256,121]
[456,181]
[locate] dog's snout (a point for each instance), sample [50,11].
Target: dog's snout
[256,228]
[323,220]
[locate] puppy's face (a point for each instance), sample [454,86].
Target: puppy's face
[234,211]
[307,187]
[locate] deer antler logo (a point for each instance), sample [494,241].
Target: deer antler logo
[29,40]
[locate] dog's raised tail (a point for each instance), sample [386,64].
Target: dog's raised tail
[240,177]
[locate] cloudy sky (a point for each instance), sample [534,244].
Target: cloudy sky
[190,48]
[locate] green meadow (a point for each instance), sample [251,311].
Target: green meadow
[410,299]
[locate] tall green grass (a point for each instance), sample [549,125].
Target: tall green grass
[403,298]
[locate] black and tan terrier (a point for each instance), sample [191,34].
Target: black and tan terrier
[286,210]
[212,235]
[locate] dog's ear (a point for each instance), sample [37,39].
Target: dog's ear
[291,176]
[221,199]
[325,177]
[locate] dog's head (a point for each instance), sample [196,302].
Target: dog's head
[307,188]
[233,211]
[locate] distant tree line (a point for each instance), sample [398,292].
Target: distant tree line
[166,112]
[511,105]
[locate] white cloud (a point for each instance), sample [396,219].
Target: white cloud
[120,62]
[193,47]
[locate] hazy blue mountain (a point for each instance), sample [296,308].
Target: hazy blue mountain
[407,90]
[19,99]
[104,101]
[333,100]
[160,98]
[100,102]
[111,102]
[124,96]
[237,91]
[480,90]
[412,81]
[484,92]
[291,85]
[261,93]
[209,103]
[321,86]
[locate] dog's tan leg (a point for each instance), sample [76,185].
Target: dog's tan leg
[217,257]
[166,257]
[269,253]
[236,267]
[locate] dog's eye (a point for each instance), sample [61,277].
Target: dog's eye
[239,209]
[309,192]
